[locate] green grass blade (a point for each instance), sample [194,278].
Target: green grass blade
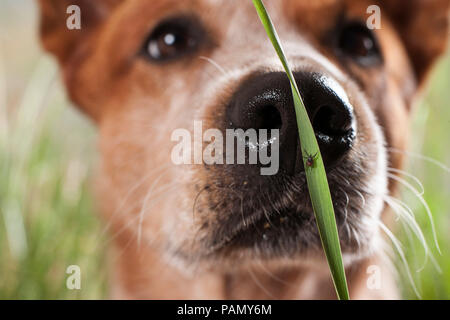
[316,177]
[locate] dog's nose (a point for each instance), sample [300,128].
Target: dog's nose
[265,101]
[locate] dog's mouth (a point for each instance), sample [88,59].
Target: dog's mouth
[278,225]
[265,230]
[281,225]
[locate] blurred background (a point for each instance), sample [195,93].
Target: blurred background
[47,156]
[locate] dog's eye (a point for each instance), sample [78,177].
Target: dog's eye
[173,39]
[359,43]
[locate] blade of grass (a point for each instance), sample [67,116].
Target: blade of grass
[315,174]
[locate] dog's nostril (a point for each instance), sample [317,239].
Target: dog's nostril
[251,109]
[267,117]
[328,121]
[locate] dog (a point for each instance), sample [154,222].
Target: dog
[142,69]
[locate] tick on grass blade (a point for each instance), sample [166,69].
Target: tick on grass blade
[310,159]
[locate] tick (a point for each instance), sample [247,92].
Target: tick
[310,159]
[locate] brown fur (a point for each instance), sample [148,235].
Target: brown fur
[133,104]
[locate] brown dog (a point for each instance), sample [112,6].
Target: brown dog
[141,69]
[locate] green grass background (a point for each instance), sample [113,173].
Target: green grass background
[47,155]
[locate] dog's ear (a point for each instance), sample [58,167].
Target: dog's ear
[56,36]
[423,26]
[70,45]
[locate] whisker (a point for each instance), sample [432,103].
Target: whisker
[266,214]
[272,275]
[157,195]
[405,207]
[398,246]
[356,236]
[340,176]
[215,64]
[421,157]
[138,184]
[144,208]
[430,255]
[362,198]
[388,258]
[195,201]
[242,212]
[244,221]
[424,203]
[409,234]
[347,201]
[404,212]
[402,172]
[259,284]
